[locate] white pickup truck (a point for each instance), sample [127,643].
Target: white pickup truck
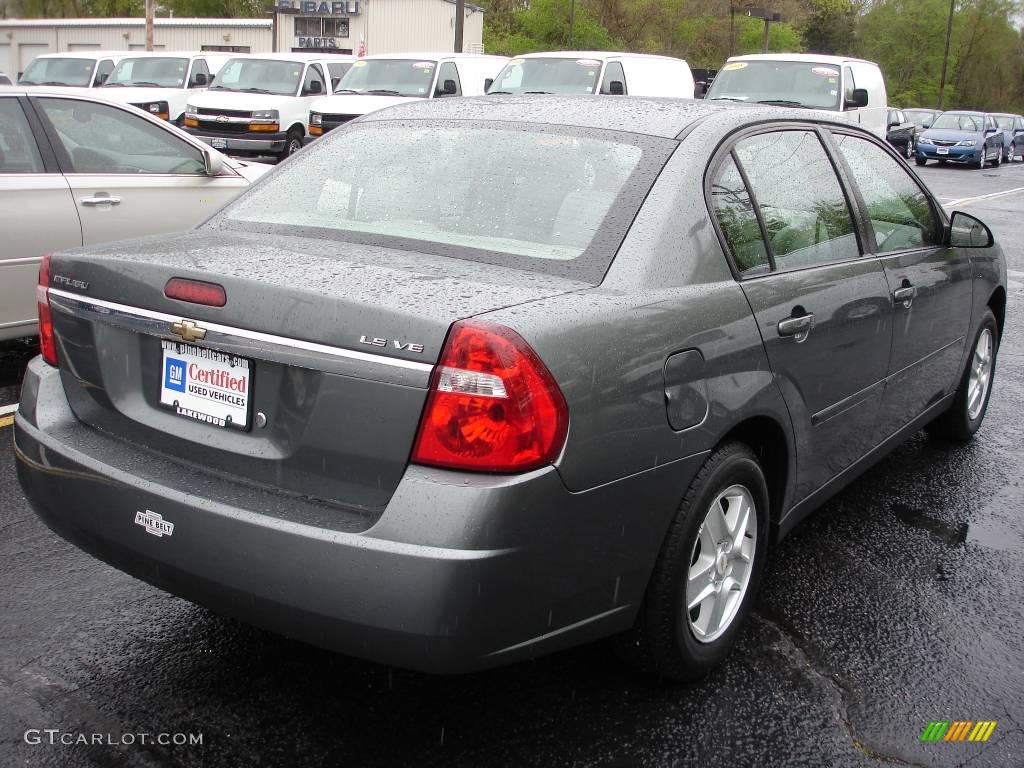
[259,105]
[375,82]
[162,83]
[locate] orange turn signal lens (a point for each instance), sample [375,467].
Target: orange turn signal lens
[315,130]
[191,123]
[272,127]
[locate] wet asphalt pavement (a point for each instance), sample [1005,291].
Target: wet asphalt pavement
[899,602]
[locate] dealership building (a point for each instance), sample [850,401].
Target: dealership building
[329,26]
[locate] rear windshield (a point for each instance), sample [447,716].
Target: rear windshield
[77,72]
[390,77]
[790,83]
[952,122]
[543,198]
[150,72]
[548,75]
[259,76]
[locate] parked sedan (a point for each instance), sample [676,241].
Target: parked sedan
[922,118]
[961,137]
[1012,127]
[472,380]
[75,169]
[901,133]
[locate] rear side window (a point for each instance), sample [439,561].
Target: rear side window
[544,198]
[805,213]
[337,71]
[735,212]
[18,151]
[901,216]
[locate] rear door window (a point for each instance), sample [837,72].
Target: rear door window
[734,210]
[18,150]
[806,215]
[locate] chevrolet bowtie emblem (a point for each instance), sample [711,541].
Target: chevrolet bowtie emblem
[188,330]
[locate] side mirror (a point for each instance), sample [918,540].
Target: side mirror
[616,88]
[860,99]
[315,87]
[199,80]
[448,88]
[965,231]
[989,130]
[700,90]
[488,82]
[213,162]
[893,123]
[102,78]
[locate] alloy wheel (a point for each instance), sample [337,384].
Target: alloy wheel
[721,563]
[981,374]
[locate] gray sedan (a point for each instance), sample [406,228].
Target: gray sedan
[470,381]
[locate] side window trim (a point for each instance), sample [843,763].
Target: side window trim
[758,214]
[41,136]
[938,215]
[854,199]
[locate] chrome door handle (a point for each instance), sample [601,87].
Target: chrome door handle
[796,326]
[94,201]
[905,294]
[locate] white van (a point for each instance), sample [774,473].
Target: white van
[597,72]
[852,87]
[162,82]
[81,69]
[259,104]
[375,82]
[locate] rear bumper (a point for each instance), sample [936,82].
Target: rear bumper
[461,572]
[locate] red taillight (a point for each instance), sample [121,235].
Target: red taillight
[493,405]
[196,291]
[47,346]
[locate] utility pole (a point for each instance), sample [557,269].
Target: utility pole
[764,43]
[945,56]
[460,21]
[149,24]
[572,20]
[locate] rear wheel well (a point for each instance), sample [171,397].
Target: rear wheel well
[997,303]
[767,440]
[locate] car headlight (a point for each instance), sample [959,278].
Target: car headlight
[158,109]
[924,140]
[191,111]
[966,143]
[315,118]
[266,114]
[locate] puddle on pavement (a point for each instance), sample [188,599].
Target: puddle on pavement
[949,533]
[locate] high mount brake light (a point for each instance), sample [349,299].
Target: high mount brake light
[196,292]
[493,404]
[47,344]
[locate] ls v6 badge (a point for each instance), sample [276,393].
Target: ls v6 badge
[376,341]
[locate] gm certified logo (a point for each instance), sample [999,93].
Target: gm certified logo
[154,523]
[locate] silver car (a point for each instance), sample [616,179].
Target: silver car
[78,170]
[472,380]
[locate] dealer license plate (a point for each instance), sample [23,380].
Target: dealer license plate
[205,385]
[219,143]
[941,151]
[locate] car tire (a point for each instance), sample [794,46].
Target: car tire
[970,402]
[908,149]
[293,144]
[726,502]
[1012,153]
[998,158]
[921,161]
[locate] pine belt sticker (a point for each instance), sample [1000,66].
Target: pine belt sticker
[154,523]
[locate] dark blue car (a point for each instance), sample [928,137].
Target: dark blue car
[961,137]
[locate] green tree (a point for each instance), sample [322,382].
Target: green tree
[830,26]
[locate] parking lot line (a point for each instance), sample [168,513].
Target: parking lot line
[6,421]
[969,200]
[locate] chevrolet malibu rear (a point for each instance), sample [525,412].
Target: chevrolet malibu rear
[317,411]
